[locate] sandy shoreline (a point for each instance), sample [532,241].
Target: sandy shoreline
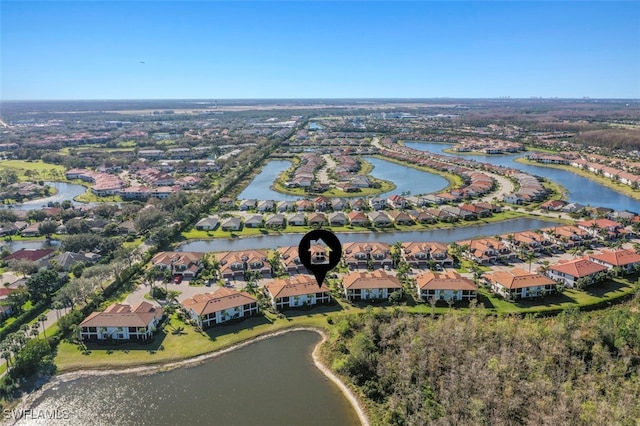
[28,400]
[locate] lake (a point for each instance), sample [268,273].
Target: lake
[405,178]
[65,191]
[580,189]
[269,382]
[442,235]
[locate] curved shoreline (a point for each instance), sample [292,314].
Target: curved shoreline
[606,182]
[27,400]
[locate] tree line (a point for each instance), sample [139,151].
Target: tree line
[472,368]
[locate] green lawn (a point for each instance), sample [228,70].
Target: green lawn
[30,170]
[195,234]
[180,341]
[90,197]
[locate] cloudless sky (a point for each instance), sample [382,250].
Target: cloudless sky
[304,49]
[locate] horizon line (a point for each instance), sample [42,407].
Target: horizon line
[502,98]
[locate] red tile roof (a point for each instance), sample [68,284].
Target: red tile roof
[450,280]
[618,257]
[578,268]
[518,278]
[369,280]
[220,300]
[297,286]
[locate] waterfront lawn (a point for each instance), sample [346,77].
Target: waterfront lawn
[194,234]
[178,341]
[90,197]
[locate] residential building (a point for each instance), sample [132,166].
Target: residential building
[370,285]
[222,305]
[446,286]
[301,290]
[185,264]
[568,273]
[365,255]
[486,250]
[208,223]
[235,264]
[122,322]
[518,284]
[627,260]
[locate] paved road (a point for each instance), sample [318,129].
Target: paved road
[323,173]
[505,186]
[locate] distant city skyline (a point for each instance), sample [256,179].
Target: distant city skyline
[309,50]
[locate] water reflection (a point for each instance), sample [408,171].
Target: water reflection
[64,191]
[271,382]
[443,235]
[580,189]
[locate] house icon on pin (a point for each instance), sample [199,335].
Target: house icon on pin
[320,252]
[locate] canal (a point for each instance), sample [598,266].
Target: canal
[442,235]
[269,382]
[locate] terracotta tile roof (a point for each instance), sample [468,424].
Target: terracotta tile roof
[220,300]
[600,223]
[369,280]
[578,268]
[618,257]
[120,315]
[296,286]
[518,278]
[450,280]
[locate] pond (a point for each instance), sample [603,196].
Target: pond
[580,189]
[65,191]
[405,178]
[260,186]
[442,235]
[269,382]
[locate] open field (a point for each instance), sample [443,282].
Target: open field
[34,170]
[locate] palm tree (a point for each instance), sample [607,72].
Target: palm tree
[6,354]
[35,330]
[42,319]
[396,253]
[57,305]
[529,257]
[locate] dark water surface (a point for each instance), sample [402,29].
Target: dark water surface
[270,382]
[442,235]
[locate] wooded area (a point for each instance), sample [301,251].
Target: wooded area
[471,368]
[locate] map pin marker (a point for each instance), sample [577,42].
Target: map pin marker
[320,251]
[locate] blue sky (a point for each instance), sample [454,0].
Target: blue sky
[304,49]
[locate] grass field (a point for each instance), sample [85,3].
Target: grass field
[180,341]
[34,170]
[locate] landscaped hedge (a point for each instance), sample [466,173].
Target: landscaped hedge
[24,318]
